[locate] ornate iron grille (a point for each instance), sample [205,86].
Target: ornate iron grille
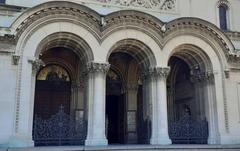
[60,129]
[189,131]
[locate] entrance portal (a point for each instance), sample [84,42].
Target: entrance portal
[56,109]
[186,102]
[114,109]
[114,117]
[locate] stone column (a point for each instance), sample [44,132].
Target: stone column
[210,105]
[148,97]
[198,79]
[159,109]
[96,104]
[132,90]
[207,102]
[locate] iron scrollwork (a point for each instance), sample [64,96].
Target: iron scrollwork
[188,130]
[60,129]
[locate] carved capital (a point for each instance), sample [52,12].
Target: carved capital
[146,74]
[156,72]
[36,64]
[162,72]
[94,67]
[202,76]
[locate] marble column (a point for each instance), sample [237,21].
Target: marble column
[198,79]
[144,137]
[96,104]
[205,90]
[210,105]
[160,134]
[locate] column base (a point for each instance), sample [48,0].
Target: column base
[20,142]
[213,141]
[160,141]
[96,142]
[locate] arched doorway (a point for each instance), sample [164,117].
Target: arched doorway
[125,101]
[190,82]
[59,100]
[114,108]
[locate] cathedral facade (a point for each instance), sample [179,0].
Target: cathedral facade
[99,72]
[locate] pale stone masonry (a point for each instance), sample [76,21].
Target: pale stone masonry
[159,59]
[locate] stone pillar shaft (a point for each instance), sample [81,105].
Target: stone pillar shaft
[96,104]
[205,82]
[159,106]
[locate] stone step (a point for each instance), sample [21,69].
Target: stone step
[134,148]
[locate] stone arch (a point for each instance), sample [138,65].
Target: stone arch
[134,20]
[207,31]
[72,12]
[29,47]
[144,48]
[197,53]
[217,58]
[137,50]
[193,56]
[67,40]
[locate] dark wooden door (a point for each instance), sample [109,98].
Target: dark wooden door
[49,96]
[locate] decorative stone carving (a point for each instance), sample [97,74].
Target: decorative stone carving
[36,64]
[162,72]
[70,10]
[15,59]
[234,58]
[93,67]
[158,72]
[221,2]
[164,5]
[197,76]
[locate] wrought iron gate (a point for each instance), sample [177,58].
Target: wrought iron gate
[60,129]
[189,131]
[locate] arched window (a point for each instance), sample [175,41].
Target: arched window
[223,16]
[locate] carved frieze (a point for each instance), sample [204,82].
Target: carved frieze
[156,5]
[157,72]
[93,67]
[201,76]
